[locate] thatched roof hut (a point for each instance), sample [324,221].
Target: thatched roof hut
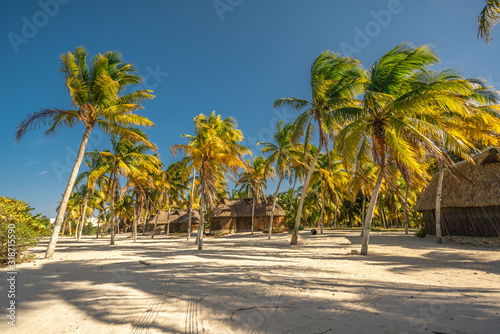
[179,219]
[469,207]
[235,215]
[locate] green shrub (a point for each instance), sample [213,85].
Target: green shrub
[421,233]
[89,229]
[19,231]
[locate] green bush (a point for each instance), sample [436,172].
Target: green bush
[19,231]
[421,233]
[89,229]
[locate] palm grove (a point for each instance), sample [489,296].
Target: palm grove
[360,151]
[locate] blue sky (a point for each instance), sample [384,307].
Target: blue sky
[233,56]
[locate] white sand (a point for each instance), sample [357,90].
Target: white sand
[248,284]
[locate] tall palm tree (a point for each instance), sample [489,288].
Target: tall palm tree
[214,150]
[254,180]
[488,18]
[174,189]
[126,158]
[335,81]
[283,153]
[331,180]
[403,104]
[96,169]
[99,99]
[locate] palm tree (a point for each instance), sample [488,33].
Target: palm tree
[283,153]
[126,158]
[331,180]
[96,169]
[173,189]
[254,180]
[335,81]
[488,18]
[212,151]
[191,203]
[99,99]
[401,111]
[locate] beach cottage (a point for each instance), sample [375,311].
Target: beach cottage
[235,215]
[179,220]
[469,207]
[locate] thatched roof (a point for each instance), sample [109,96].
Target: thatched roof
[482,190]
[176,216]
[243,208]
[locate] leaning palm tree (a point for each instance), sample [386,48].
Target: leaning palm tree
[488,18]
[335,81]
[99,99]
[283,153]
[254,180]
[403,105]
[213,151]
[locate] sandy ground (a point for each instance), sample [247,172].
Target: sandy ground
[248,284]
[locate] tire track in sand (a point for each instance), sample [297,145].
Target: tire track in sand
[192,325]
[160,295]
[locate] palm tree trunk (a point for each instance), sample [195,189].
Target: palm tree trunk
[83,213]
[145,220]
[274,206]
[295,233]
[191,207]
[77,227]
[383,218]
[112,207]
[253,211]
[439,233]
[97,230]
[201,227]
[154,225]
[363,214]
[369,213]
[322,224]
[168,215]
[64,223]
[293,192]
[406,208]
[49,254]
[137,213]
[336,216]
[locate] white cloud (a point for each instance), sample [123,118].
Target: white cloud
[44,172]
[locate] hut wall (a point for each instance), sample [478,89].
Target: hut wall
[473,221]
[243,224]
[223,224]
[181,227]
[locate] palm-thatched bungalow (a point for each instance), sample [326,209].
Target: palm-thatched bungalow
[179,220]
[235,215]
[468,207]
